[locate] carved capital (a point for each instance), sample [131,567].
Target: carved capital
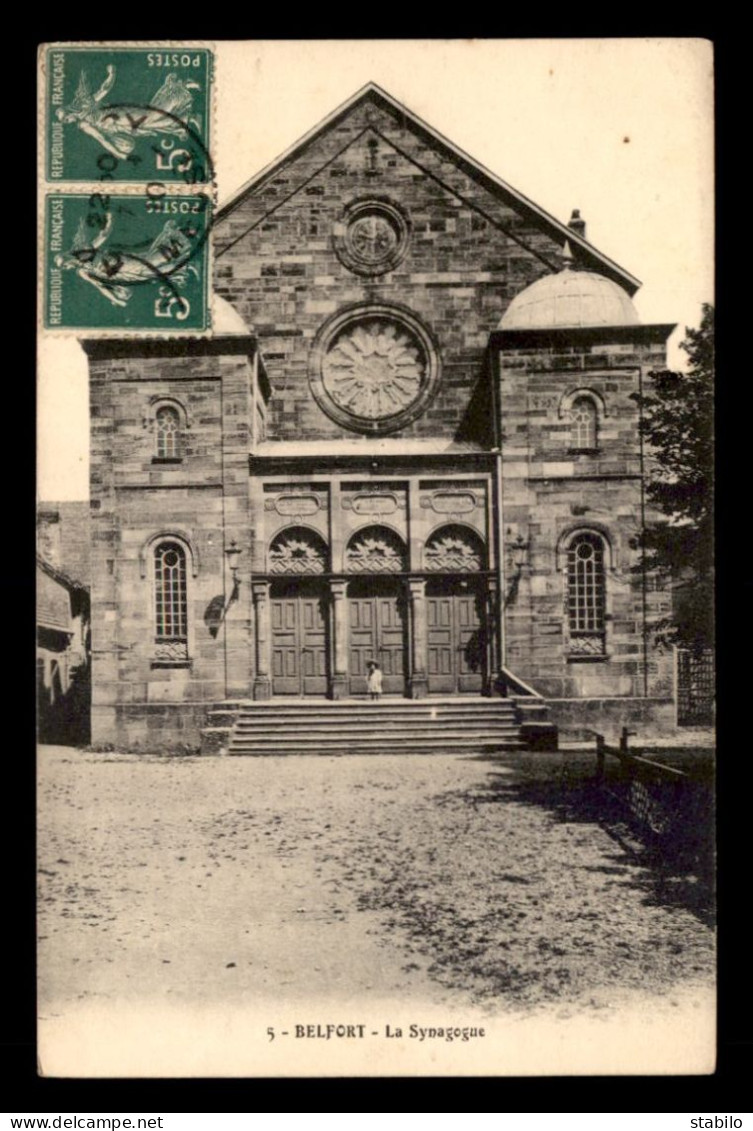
[417,588]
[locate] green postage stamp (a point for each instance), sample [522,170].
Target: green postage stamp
[128,183]
[128,114]
[126,261]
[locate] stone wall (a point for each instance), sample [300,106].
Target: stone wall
[200,500]
[468,253]
[581,719]
[551,491]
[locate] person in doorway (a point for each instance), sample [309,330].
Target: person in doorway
[374,680]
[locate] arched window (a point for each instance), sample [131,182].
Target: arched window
[586,594]
[454,549]
[170,603]
[168,432]
[375,549]
[297,550]
[583,424]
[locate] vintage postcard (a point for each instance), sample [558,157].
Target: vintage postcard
[375,660]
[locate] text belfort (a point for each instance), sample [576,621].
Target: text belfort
[411,1032]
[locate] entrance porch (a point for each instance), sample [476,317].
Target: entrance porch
[430,635]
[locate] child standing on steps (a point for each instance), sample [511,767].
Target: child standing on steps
[374,680]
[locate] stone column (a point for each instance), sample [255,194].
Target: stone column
[262,681]
[492,631]
[418,685]
[340,668]
[498,679]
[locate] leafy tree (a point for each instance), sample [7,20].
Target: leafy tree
[677,423]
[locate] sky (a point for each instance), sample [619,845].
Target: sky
[621,129]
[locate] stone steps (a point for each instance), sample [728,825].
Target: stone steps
[356,730]
[390,725]
[350,711]
[368,718]
[405,746]
[387,726]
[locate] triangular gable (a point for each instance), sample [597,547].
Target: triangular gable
[433,142]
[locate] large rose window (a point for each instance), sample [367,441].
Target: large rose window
[374,371]
[374,368]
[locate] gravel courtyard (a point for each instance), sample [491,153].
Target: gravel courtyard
[444,881]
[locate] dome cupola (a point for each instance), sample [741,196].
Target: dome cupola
[570,299]
[226,321]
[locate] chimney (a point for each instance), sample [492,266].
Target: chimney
[575,224]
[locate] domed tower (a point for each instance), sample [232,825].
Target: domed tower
[569,355]
[570,300]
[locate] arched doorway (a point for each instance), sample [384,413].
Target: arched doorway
[377,608]
[298,613]
[455,611]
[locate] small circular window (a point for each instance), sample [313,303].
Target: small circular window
[374,369]
[372,237]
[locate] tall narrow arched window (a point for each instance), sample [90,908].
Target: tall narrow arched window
[168,432]
[170,602]
[583,424]
[586,595]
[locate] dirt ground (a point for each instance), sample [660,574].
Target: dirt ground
[445,881]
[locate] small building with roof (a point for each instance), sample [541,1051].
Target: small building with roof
[63,645]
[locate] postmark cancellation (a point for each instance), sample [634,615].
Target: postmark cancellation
[128,114]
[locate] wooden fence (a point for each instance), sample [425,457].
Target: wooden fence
[671,809]
[695,687]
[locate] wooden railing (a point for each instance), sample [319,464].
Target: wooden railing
[670,808]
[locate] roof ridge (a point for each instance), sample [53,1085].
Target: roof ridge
[60,574]
[630,282]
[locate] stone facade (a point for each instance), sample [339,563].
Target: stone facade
[363,463]
[200,500]
[553,490]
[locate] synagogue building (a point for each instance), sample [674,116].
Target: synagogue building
[411,439]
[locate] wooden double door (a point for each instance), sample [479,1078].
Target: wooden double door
[298,613]
[377,626]
[456,636]
[377,629]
